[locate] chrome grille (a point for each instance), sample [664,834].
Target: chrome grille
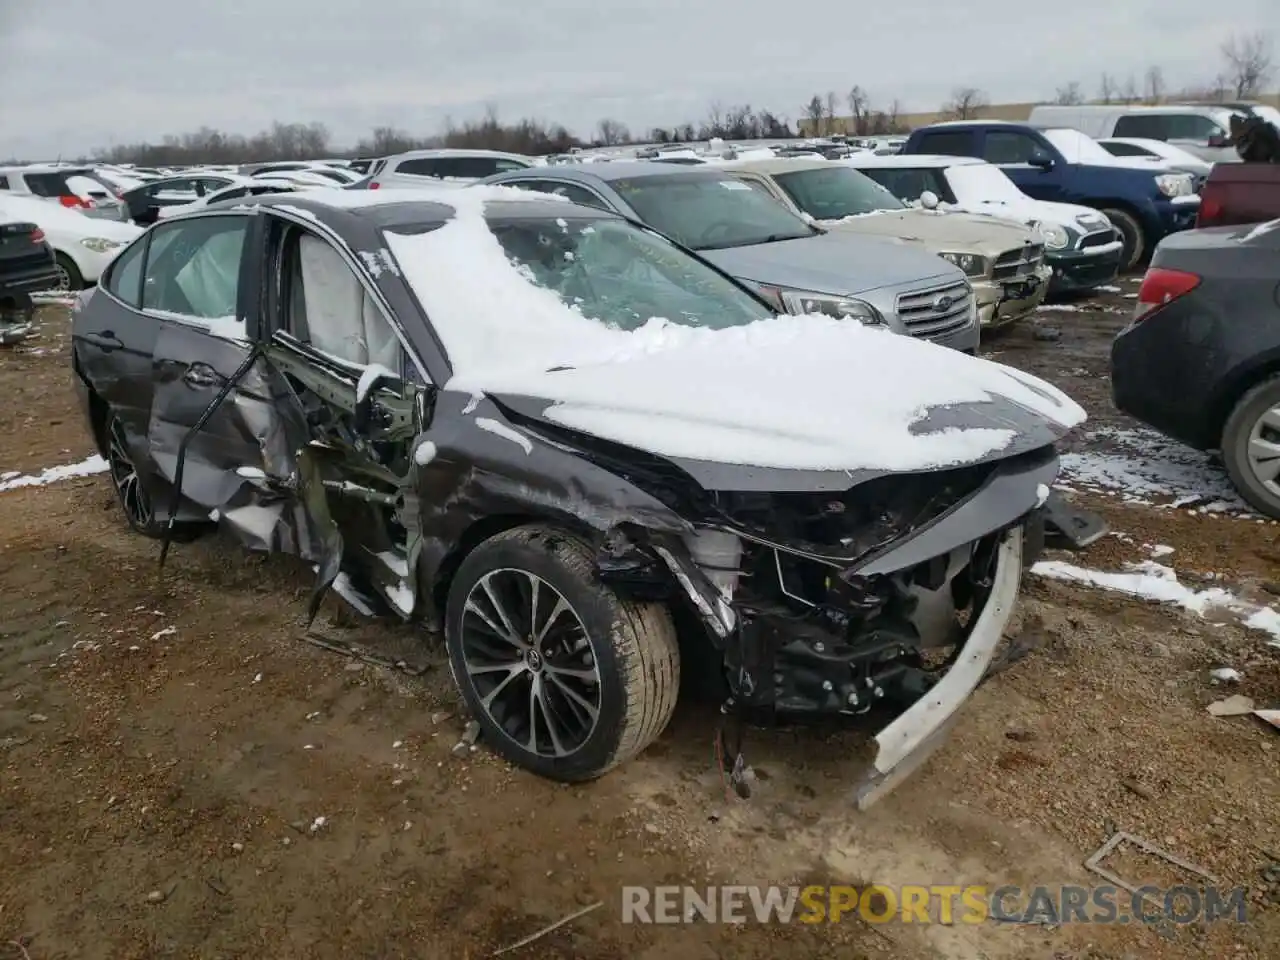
[935,311]
[1019,262]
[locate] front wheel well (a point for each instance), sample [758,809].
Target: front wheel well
[476,534]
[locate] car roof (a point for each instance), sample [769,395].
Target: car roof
[620,170]
[905,160]
[965,123]
[71,169]
[778,165]
[458,152]
[388,208]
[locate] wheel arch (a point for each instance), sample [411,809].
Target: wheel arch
[1240,382]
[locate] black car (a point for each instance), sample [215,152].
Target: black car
[1201,360]
[460,410]
[143,203]
[27,265]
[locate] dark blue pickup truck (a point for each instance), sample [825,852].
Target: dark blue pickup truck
[1145,201]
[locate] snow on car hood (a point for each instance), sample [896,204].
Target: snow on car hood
[795,392]
[1080,218]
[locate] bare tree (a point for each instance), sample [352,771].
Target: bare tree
[1153,84]
[830,112]
[1069,95]
[1129,92]
[892,115]
[858,108]
[1107,89]
[1249,62]
[713,126]
[965,103]
[610,133]
[813,111]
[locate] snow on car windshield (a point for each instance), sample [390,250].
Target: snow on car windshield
[980,182]
[1077,147]
[735,385]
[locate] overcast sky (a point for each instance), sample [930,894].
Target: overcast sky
[79,74]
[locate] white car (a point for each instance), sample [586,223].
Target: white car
[1081,245]
[243,187]
[419,168]
[1165,154]
[83,246]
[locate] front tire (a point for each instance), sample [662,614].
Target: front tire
[1135,241]
[565,678]
[134,498]
[1251,447]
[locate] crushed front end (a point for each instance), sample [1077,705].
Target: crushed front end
[892,595]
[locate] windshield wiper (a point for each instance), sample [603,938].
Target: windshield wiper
[771,238]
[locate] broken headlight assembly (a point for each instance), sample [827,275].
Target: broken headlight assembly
[972,264]
[842,308]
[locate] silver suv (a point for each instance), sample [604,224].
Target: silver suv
[799,267]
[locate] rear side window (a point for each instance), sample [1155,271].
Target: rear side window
[1008,146]
[1127,150]
[570,191]
[948,143]
[1143,126]
[47,184]
[125,281]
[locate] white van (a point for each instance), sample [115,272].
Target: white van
[1197,128]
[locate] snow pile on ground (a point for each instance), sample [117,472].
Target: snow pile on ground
[1153,470]
[85,468]
[777,392]
[1149,580]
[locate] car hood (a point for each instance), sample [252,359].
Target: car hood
[1028,209]
[955,231]
[789,403]
[833,262]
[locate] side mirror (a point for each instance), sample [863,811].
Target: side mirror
[1219,140]
[1040,160]
[929,200]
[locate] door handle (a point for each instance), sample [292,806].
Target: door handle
[202,375]
[106,340]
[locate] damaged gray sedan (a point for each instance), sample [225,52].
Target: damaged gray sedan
[585,454]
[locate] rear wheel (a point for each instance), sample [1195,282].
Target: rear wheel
[565,677]
[1251,446]
[1135,241]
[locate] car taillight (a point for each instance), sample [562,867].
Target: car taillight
[375,185]
[37,235]
[1162,286]
[1210,206]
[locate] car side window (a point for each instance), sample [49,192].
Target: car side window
[125,281]
[419,166]
[1009,146]
[193,269]
[948,143]
[325,305]
[1127,150]
[909,185]
[1192,126]
[1148,126]
[570,191]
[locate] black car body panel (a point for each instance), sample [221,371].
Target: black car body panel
[1182,366]
[27,266]
[383,478]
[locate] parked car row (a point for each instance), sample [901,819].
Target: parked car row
[555,434]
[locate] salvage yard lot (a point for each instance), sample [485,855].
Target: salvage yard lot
[182,776]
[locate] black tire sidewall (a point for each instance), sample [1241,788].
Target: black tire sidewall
[598,609]
[1235,439]
[75,281]
[1135,246]
[154,530]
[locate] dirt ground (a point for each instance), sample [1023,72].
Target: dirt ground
[169,744]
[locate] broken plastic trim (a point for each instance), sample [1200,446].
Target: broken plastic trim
[710,603]
[255,353]
[908,741]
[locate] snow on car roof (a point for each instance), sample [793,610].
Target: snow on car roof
[341,199]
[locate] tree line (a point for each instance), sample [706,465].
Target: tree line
[1247,62]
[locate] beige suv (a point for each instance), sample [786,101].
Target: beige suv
[1003,260]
